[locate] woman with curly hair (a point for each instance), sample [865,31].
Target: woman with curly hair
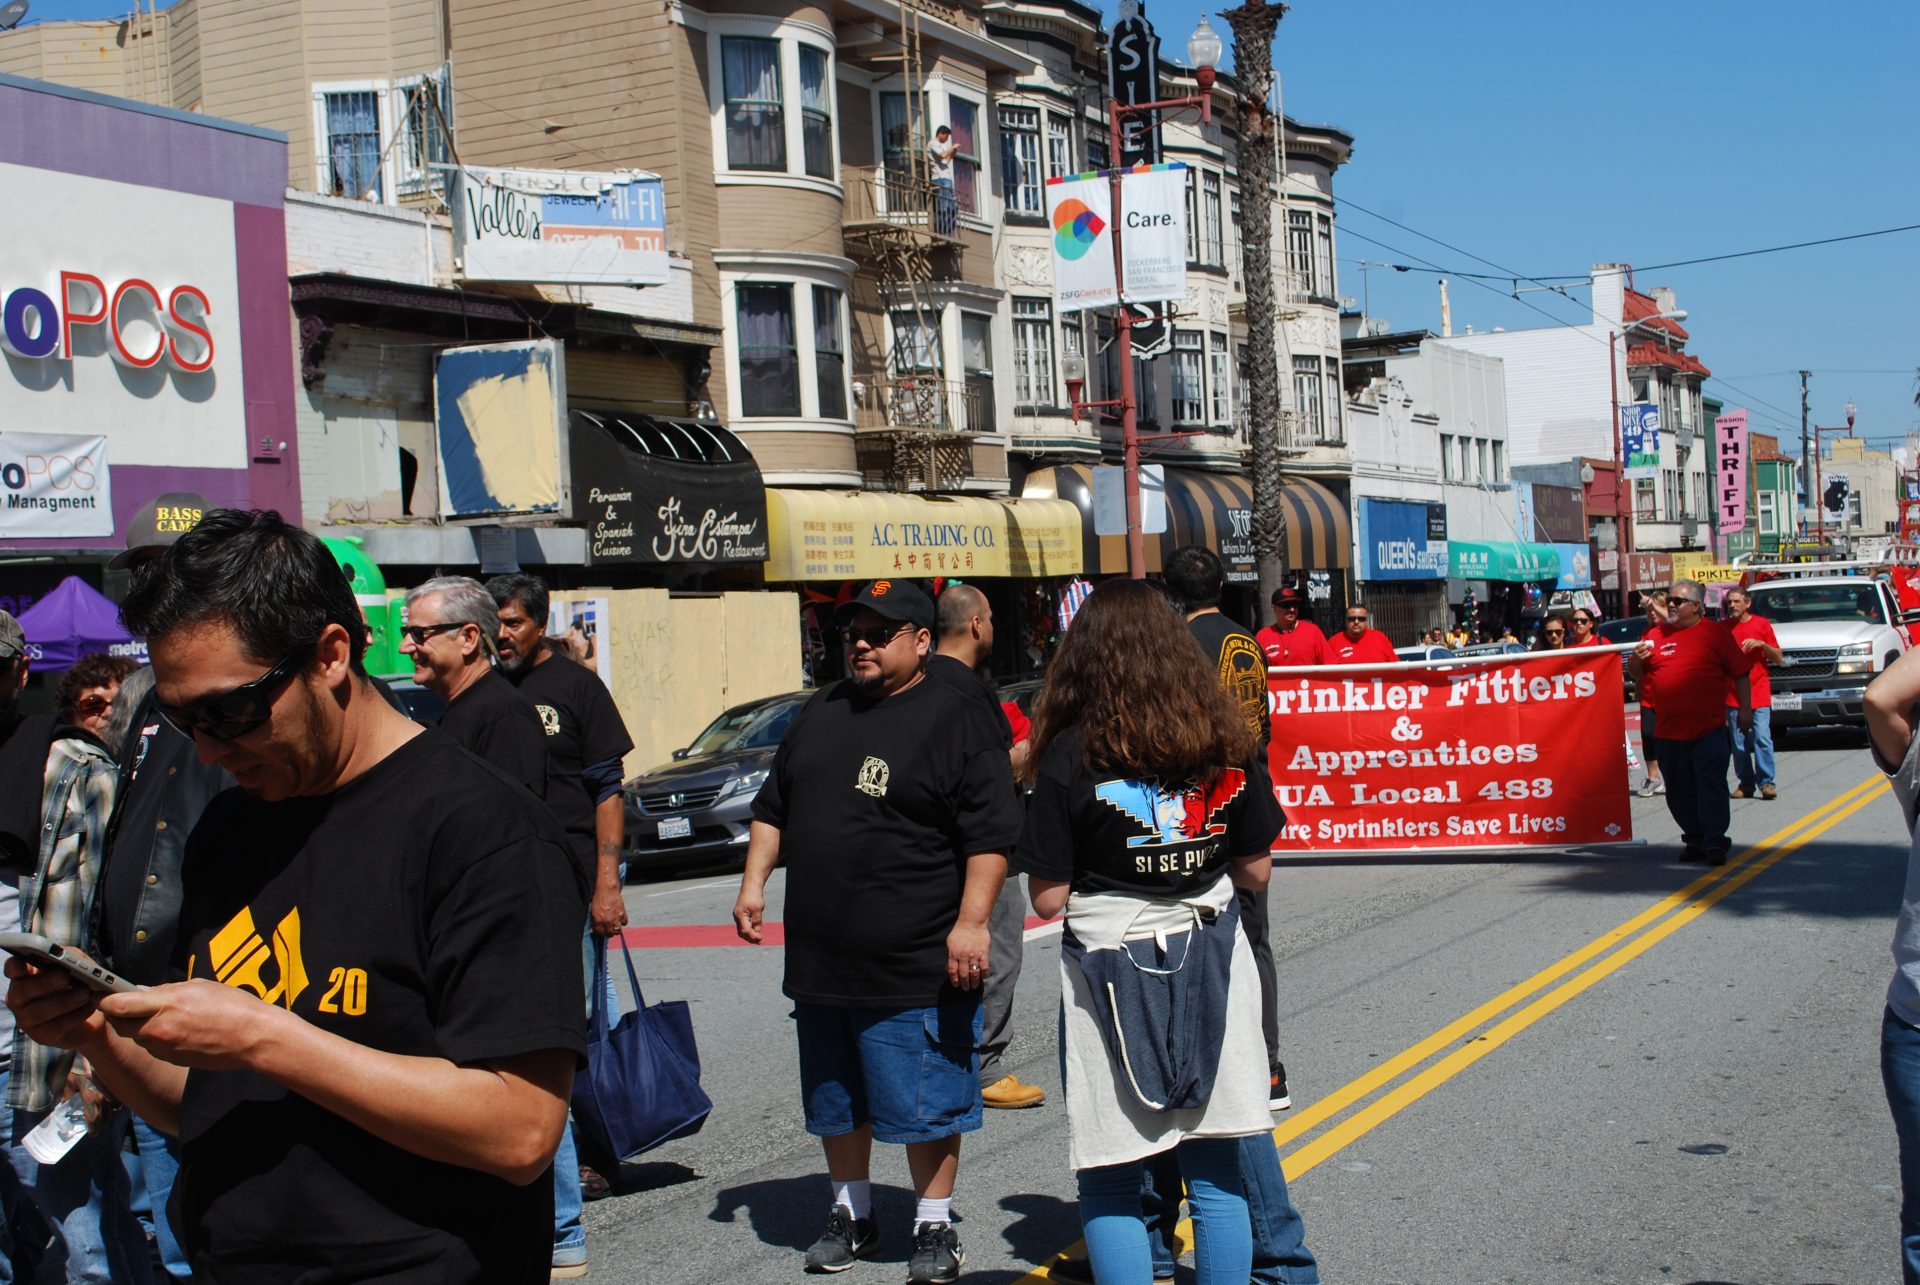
[86,691]
[1149,806]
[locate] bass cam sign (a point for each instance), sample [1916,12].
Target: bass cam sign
[1510,754]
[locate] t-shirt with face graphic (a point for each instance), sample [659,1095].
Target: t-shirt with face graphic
[1241,664]
[427,908]
[1102,832]
[879,804]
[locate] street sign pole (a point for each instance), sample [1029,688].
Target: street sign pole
[1123,342]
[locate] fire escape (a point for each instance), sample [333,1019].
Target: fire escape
[913,427]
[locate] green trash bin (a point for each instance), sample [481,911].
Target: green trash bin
[370,591]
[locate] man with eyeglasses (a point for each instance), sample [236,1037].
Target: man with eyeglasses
[1687,671]
[1358,643]
[891,802]
[1753,748]
[369,1058]
[450,631]
[1292,639]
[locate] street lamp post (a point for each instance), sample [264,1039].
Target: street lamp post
[1624,513]
[1819,493]
[1203,51]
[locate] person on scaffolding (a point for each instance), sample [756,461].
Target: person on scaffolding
[946,204]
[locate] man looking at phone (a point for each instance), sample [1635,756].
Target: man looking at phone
[369,1062]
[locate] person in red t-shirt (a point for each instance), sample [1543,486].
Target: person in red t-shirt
[1686,671]
[1358,644]
[1292,639]
[1654,601]
[1586,628]
[1753,749]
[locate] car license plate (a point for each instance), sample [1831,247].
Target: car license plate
[1786,700]
[676,828]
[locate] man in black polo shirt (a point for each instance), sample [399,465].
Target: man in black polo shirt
[451,629]
[369,1062]
[586,740]
[892,804]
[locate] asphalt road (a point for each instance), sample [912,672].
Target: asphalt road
[1576,1066]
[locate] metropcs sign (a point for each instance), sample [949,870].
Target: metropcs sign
[144,324]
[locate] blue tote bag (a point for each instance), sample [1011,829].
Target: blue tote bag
[641,1085]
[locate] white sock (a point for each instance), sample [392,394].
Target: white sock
[933,1211]
[857,1196]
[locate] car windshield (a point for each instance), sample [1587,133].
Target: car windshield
[745,727]
[1786,606]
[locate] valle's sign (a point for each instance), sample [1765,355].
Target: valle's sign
[561,226]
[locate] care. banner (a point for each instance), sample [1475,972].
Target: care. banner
[1153,232]
[1517,753]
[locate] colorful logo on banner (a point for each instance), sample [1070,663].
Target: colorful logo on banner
[1080,211]
[1640,440]
[1153,232]
[1518,754]
[1075,229]
[1730,468]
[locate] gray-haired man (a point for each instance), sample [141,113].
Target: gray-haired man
[451,626]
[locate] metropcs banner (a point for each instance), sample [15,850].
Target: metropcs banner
[54,486]
[1509,754]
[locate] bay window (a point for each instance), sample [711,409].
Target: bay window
[829,352]
[1189,400]
[769,354]
[816,112]
[1222,372]
[1033,352]
[1020,159]
[1059,145]
[755,104]
[1306,397]
[964,118]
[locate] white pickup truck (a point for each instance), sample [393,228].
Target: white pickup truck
[1836,632]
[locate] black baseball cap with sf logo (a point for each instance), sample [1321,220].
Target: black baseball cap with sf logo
[158,524]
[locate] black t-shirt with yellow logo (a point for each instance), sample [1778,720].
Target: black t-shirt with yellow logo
[428,908]
[880,803]
[1241,663]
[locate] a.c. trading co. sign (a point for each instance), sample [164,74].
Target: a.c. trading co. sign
[144,324]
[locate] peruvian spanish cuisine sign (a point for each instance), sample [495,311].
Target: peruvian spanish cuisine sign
[1460,755]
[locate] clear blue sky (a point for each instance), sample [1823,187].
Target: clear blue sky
[1552,136]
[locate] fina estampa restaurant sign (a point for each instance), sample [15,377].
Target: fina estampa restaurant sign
[562,226]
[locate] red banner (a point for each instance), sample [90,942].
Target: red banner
[1523,752]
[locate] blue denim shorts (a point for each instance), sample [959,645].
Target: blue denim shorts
[912,1073]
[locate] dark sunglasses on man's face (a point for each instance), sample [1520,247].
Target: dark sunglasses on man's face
[1361,620]
[879,636]
[230,715]
[418,634]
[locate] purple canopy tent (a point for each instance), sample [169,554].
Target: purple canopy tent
[72,621]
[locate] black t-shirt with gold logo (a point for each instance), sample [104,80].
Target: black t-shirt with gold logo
[429,908]
[880,803]
[1241,663]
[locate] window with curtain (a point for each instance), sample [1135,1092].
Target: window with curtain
[1189,390]
[976,357]
[1222,372]
[1210,217]
[1234,243]
[1323,256]
[1332,401]
[816,111]
[1306,396]
[1193,215]
[353,144]
[423,137]
[1033,352]
[829,353]
[1099,156]
[964,117]
[755,106]
[1670,491]
[1020,159]
[916,344]
[899,135]
[769,352]
[1643,499]
[1144,393]
[1300,251]
[1059,145]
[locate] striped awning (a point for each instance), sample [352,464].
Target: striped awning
[1214,510]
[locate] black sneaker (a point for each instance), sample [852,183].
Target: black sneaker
[845,1241]
[1717,857]
[1695,856]
[937,1256]
[1278,1099]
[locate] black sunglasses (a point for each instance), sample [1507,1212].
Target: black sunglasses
[879,636]
[1361,619]
[418,634]
[230,715]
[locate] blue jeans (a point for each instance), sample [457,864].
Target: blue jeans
[946,207]
[1117,1240]
[1900,1072]
[88,1200]
[1753,750]
[1280,1253]
[1696,775]
[159,1163]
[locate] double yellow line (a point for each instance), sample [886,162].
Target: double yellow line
[1560,981]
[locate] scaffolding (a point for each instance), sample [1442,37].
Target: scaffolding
[914,429]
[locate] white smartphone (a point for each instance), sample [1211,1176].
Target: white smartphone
[44,952]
